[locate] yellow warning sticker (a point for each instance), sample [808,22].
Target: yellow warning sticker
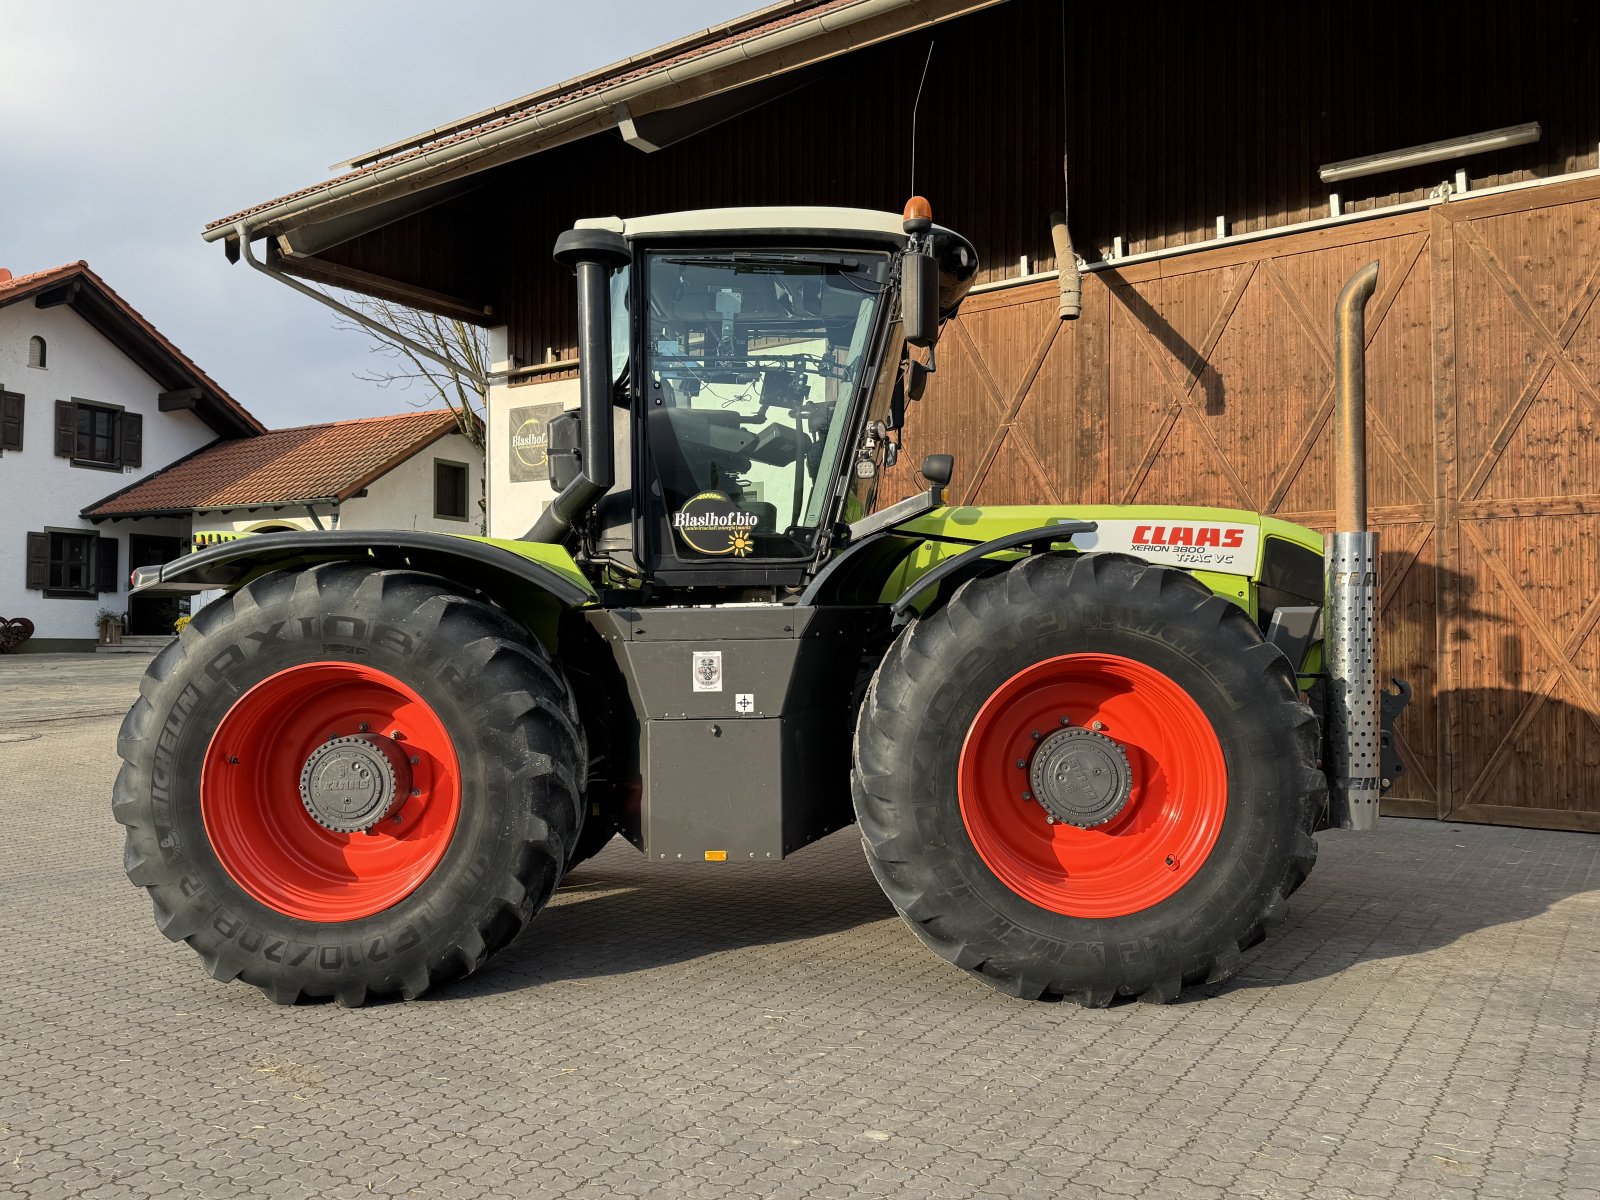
[716,856]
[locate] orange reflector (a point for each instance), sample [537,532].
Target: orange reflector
[918,209]
[716,856]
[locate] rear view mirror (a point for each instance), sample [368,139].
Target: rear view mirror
[919,298]
[561,449]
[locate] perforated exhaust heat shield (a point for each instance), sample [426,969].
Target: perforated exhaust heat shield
[1351,646]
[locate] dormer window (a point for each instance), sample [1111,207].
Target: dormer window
[37,352]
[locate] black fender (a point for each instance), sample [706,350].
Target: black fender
[500,574]
[1035,541]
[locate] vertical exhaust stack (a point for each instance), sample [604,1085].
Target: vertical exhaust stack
[592,254]
[1351,568]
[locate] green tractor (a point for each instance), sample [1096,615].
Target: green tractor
[1086,747]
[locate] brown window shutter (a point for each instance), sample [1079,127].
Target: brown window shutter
[10,421]
[132,439]
[66,428]
[38,561]
[106,578]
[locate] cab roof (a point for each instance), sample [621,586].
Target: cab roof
[808,221]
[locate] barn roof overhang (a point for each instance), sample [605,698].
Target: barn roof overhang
[651,100]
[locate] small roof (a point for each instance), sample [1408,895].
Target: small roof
[75,285]
[303,465]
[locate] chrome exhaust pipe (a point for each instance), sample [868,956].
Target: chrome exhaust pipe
[1350,567]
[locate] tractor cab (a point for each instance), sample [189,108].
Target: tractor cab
[755,382]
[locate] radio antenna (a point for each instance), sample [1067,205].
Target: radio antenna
[915,105]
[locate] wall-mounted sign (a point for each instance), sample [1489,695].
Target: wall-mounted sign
[530,442]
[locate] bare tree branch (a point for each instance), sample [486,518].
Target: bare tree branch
[461,343]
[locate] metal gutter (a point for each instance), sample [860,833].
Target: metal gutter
[359,317]
[597,111]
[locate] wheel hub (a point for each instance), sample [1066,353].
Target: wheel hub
[349,784]
[1080,777]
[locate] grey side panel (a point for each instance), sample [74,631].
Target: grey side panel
[709,789]
[746,715]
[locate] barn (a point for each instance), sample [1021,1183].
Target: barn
[1223,169]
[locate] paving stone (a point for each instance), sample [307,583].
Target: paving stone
[1424,1025]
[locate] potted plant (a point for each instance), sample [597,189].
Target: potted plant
[110,625]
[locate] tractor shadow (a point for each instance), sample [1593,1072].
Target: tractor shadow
[1412,887]
[620,913]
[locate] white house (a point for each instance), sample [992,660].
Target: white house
[92,398]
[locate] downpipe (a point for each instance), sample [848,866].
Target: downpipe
[1350,565]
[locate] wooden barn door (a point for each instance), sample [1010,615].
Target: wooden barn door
[1518,342]
[1207,379]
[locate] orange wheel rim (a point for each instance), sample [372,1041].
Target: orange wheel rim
[1172,803]
[265,835]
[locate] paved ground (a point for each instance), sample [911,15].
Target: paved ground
[1425,1026]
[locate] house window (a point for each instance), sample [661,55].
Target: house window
[96,435]
[70,563]
[11,410]
[37,352]
[449,490]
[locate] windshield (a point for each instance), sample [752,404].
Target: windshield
[752,362]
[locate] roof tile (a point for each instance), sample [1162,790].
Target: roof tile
[282,466]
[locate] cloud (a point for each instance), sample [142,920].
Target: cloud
[124,128]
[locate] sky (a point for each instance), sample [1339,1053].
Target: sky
[126,126]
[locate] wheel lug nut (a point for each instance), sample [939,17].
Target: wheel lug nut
[414,760]
[1022,764]
[1049,820]
[1027,795]
[1097,726]
[364,727]
[1066,720]
[1037,735]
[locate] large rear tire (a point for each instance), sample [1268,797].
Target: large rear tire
[1087,778]
[349,782]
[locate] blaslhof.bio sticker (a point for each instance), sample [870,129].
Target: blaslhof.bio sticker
[710,523]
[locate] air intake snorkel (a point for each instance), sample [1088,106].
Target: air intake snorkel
[592,254]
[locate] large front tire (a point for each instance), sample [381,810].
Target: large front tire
[1087,778]
[341,675]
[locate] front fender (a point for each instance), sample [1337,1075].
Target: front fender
[530,579]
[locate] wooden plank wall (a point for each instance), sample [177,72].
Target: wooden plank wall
[1207,379]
